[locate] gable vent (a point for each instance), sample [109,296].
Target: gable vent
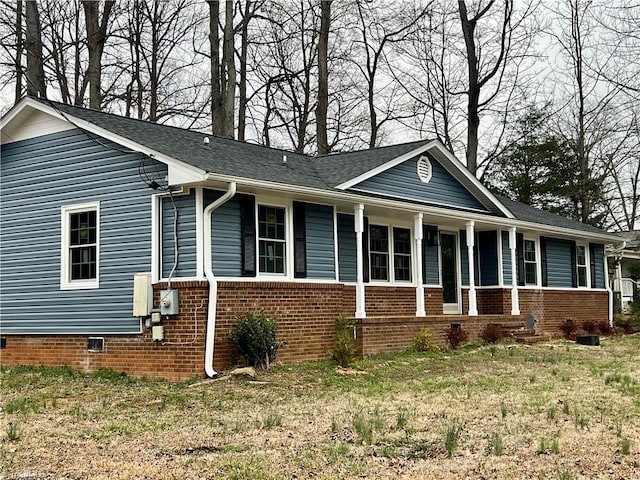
[424,169]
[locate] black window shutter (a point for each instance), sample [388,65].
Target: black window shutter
[520,257]
[543,261]
[429,240]
[592,265]
[300,240]
[574,265]
[365,250]
[248,233]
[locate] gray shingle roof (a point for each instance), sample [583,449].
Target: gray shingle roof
[531,214]
[240,159]
[222,156]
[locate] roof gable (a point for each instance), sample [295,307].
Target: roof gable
[470,193]
[402,181]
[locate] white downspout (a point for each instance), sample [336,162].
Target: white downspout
[213,284]
[609,291]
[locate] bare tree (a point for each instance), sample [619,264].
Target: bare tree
[96,27]
[378,30]
[322,104]
[223,70]
[35,67]
[478,77]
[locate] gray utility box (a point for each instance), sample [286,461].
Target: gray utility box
[169,302]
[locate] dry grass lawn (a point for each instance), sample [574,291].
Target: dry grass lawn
[550,411]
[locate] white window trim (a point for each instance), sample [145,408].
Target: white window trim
[288,240]
[538,263]
[391,254]
[65,274]
[587,266]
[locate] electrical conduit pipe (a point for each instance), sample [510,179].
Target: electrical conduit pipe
[213,284]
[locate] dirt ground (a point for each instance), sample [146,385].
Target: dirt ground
[549,411]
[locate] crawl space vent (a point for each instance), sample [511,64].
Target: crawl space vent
[424,170]
[95,344]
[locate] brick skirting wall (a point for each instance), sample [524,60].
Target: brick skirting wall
[377,335]
[306,315]
[552,307]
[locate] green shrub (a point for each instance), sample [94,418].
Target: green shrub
[423,342]
[254,339]
[345,350]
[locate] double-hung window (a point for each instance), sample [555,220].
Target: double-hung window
[530,262]
[379,252]
[402,254]
[390,258]
[272,239]
[581,265]
[80,246]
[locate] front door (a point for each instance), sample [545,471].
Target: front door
[449,255]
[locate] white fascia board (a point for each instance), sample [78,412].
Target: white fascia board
[182,172]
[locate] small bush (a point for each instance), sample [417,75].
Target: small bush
[589,326]
[604,328]
[423,342]
[254,339]
[626,327]
[455,336]
[492,333]
[345,350]
[569,329]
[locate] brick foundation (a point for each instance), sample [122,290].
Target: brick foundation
[377,335]
[306,315]
[552,307]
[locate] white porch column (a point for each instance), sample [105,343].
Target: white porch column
[515,303]
[359,227]
[417,227]
[473,302]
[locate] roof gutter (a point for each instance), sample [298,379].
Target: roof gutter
[213,283]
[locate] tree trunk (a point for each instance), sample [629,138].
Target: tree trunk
[19,47]
[242,86]
[473,120]
[217,114]
[96,39]
[229,61]
[323,78]
[35,68]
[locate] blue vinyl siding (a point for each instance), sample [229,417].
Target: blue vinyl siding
[186,207]
[599,280]
[464,259]
[402,182]
[559,262]
[487,247]
[506,259]
[38,177]
[347,250]
[320,238]
[226,238]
